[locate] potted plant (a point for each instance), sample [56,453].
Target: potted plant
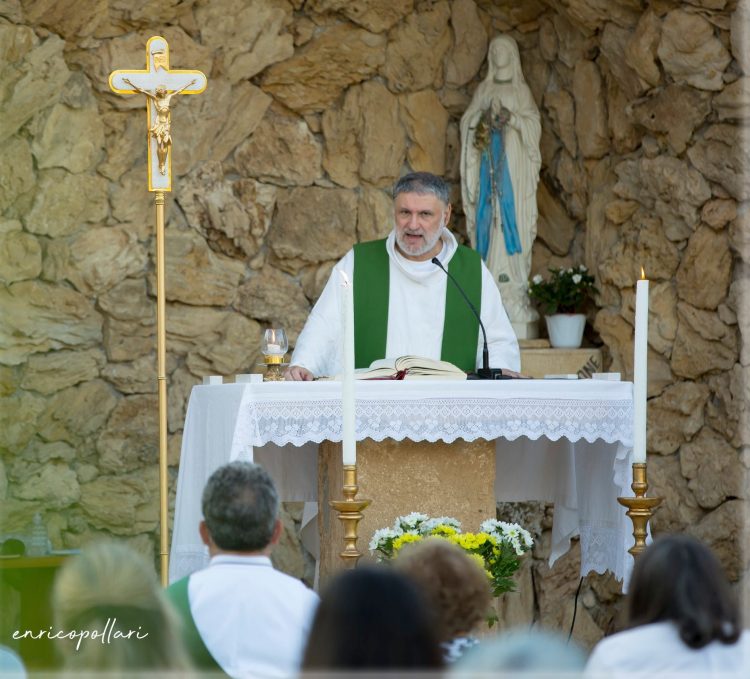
[561,298]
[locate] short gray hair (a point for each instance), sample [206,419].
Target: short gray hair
[240,506]
[423,183]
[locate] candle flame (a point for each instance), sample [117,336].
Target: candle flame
[344,277]
[643,274]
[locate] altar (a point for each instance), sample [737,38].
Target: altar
[563,441]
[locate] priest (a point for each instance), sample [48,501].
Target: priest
[404,303]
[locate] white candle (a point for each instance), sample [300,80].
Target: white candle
[640,370]
[274,348]
[349,443]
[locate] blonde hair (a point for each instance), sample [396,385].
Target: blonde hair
[109,586]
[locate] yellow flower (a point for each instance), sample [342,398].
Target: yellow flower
[479,560]
[404,539]
[486,537]
[465,541]
[443,530]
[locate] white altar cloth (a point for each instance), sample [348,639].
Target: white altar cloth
[562,441]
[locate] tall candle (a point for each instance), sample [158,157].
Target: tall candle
[349,443]
[640,369]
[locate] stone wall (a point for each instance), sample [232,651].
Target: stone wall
[313,109]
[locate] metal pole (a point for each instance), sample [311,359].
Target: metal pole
[161,358]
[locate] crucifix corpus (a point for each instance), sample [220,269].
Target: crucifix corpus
[160,85]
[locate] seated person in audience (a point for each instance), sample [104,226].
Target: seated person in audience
[403,303]
[11,665]
[454,585]
[534,653]
[372,618]
[240,614]
[683,617]
[109,589]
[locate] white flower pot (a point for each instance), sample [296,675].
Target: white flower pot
[566,330]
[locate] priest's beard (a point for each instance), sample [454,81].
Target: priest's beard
[429,243]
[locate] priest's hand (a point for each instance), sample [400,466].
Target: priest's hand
[512,373]
[297,373]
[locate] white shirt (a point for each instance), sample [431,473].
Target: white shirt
[657,650]
[416,313]
[253,619]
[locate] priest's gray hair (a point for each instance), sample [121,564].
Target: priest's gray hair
[240,506]
[423,183]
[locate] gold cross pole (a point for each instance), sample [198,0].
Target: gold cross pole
[160,85]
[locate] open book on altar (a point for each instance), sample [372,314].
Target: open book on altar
[408,368]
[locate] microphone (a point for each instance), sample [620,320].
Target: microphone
[485,372]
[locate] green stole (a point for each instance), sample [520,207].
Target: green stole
[177,593]
[371,294]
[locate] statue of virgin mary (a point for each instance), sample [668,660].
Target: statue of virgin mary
[500,162]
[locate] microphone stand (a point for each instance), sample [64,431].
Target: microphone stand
[485,372]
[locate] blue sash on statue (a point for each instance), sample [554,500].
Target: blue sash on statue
[493,169]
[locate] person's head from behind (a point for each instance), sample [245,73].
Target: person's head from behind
[240,510]
[422,210]
[533,652]
[110,587]
[452,582]
[372,618]
[678,579]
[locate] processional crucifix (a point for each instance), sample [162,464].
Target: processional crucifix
[160,85]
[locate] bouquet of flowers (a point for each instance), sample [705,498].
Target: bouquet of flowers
[497,547]
[565,291]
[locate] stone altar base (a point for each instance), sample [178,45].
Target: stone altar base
[439,479]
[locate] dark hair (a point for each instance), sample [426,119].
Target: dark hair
[372,618]
[452,582]
[422,183]
[679,579]
[240,506]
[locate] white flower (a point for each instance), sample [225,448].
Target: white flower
[430,524]
[489,526]
[516,544]
[577,278]
[409,522]
[570,270]
[537,279]
[582,268]
[511,532]
[381,535]
[513,542]
[519,538]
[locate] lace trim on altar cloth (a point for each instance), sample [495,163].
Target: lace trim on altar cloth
[601,547]
[297,422]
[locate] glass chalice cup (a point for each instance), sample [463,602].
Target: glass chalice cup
[274,347]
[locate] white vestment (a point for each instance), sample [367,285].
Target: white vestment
[656,650]
[253,619]
[416,313]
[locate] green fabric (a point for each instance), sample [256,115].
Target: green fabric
[371,285]
[177,593]
[371,289]
[461,327]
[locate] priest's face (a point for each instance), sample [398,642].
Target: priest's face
[420,220]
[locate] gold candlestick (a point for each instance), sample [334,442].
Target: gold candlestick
[273,363]
[350,514]
[639,507]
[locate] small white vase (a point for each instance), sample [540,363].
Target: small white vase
[565,330]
